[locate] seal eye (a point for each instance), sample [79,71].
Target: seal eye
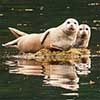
[75,23]
[68,22]
[80,29]
[86,28]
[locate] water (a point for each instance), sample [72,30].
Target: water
[31,80]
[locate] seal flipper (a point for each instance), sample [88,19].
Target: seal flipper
[11,43]
[16,33]
[44,36]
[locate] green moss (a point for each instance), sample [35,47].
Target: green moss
[46,56]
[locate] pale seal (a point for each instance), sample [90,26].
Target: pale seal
[83,36]
[62,37]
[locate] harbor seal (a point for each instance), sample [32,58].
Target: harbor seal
[83,36]
[61,37]
[58,38]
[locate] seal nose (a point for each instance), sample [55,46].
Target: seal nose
[71,27]
[84,32]
[84,35]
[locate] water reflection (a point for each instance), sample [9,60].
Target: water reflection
[83,65]
[63,76]
[56,74]
[26,67]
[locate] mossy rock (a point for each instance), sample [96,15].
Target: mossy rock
[45,55]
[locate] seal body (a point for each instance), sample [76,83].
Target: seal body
[29,43]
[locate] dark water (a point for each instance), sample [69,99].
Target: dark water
[30,80]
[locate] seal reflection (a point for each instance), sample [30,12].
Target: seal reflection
[62,75]
[57,74]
